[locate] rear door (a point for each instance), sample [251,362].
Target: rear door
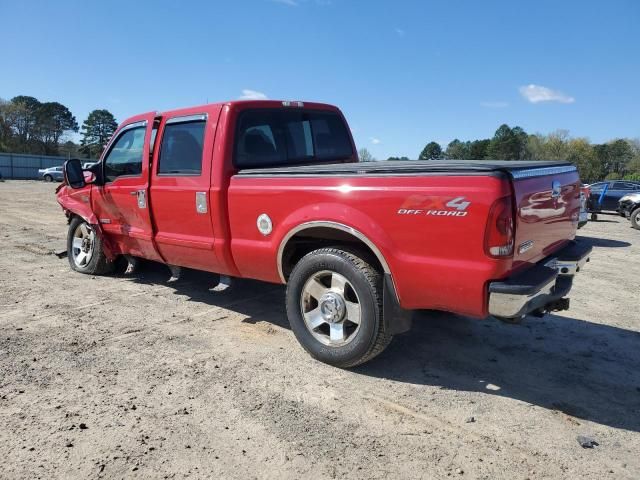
[180,189]
[121,204]
[547,210]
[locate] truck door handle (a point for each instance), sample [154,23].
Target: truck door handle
[201,202]
[142,197]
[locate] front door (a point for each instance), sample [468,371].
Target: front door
[122,203]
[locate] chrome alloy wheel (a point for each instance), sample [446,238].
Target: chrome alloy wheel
[330,308]
[83,244]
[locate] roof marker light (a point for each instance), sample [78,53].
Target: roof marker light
[292,104]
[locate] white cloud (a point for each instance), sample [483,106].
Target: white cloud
[291,3]
[537,93]
[374,140]
[494,104]
[400,32]
[252,95]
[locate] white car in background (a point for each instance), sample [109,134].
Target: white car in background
[51,174]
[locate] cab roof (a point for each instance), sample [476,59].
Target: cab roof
[259,104]
[237,104]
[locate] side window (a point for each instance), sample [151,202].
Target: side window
[626,186]
[181,149]
[125,157]
[597,187]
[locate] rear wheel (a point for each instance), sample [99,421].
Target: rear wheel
[334,305]
[85,249]
[48,178]
[635,218]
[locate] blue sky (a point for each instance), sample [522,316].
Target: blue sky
[403,72]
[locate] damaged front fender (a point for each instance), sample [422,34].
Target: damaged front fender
[78,202]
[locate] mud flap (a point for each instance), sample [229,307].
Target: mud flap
[397,319]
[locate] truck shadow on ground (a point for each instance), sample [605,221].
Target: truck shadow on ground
[604,242]
[586,370]
[257,301]
[583,369]
[602,220]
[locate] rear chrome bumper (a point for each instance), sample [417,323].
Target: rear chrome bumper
[541,287]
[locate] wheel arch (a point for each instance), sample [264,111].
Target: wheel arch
[323,232]
[74,208]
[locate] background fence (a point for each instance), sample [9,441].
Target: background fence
[17,165]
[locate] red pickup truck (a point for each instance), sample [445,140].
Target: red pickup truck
[274,191]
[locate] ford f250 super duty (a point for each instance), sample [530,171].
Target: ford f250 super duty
[274,191]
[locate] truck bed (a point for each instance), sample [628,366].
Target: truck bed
[517,169]
[390,201]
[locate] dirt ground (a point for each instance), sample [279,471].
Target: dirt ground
[131,376]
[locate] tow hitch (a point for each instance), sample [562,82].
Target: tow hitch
[558,305]
[555,306]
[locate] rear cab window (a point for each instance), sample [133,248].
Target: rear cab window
[277,137]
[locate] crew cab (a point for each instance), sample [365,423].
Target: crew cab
[273,190]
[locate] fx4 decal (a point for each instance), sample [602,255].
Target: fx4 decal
[434,206]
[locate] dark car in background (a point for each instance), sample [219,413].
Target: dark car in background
[604,196]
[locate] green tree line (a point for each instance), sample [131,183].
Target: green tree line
[45,128]
[619,158]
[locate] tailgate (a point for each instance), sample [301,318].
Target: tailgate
[547,210]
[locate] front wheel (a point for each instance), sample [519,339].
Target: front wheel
[85,249]
[635,218]
[334,305]
[48,178]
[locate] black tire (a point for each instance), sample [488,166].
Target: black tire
[48,178]
[370,337]
[635,218]
[97,264]
[594,217]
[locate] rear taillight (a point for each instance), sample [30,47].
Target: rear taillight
[499,235]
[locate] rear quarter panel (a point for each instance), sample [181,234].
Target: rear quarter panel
[436,261]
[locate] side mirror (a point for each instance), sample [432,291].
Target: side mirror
[73,173]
